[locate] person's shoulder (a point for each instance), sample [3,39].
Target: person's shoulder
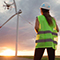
[53,18]
[39,16]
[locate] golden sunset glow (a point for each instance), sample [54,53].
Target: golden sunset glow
[8,52]
[25,53]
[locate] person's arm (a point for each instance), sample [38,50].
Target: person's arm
[57,28]
[36,25]
[56,25]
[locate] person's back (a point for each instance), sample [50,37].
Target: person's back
[46,29]
[45,34]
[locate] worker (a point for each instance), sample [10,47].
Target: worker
[47,33]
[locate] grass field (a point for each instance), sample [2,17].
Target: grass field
[31,57]
[43,58]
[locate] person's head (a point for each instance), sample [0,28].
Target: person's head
[44,11]
[45,8]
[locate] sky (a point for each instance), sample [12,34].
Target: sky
[26,39]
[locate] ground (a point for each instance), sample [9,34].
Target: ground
[14,58]
[24,58]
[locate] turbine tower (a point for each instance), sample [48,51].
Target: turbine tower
[17,27]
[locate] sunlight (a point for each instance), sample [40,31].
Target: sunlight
[8,52]
[25,53]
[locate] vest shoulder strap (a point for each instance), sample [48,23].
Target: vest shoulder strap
[41,18]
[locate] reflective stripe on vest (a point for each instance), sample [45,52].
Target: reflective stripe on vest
[44,32]
[45,40]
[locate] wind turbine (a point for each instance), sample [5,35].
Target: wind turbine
[16,13]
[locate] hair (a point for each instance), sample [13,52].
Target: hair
[47,16]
